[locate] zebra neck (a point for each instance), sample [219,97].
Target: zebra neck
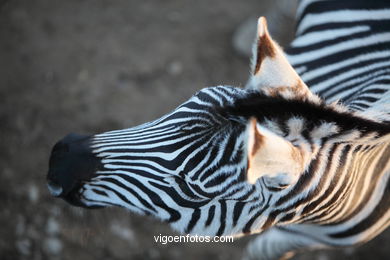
[355,170]
[372,158]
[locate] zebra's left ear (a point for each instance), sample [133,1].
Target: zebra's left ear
[271,71]
[272,157]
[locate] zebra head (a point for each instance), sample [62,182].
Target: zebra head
[212,166]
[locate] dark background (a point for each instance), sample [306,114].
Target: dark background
[91,66]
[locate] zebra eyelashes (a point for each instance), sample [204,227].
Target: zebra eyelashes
[271,72]
[272,157]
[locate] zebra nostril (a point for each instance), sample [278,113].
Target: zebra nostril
[54,188]
[71,163]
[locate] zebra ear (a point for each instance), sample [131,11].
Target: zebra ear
[271,71]
[271,156]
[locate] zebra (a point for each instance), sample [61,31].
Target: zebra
[301,167]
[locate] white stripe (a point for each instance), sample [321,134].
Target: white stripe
[139,147]
[135,141]
[311,20]
[141,131]
[336,48]
[362,83]
[213,95]
[357,73]
[162,155]
[336,66]
[108,138]
[320,36]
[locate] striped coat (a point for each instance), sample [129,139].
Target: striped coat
[292,163]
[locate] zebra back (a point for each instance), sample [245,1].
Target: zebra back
[342,52]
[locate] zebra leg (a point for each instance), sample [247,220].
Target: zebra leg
[278,243]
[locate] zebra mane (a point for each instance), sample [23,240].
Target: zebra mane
[263,107]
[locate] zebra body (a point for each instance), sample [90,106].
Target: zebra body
[341,50]
[274,158]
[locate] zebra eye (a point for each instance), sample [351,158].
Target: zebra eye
[183,187]
[187,128]
[181,183]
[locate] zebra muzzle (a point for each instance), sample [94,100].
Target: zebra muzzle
[71,164]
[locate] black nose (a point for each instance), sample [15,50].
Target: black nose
[71,163]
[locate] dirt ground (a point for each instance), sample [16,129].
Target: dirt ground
[88,66]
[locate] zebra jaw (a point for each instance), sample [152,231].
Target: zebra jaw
[262,146]
[272,73]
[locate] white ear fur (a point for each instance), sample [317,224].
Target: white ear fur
[271,71]
[271,156]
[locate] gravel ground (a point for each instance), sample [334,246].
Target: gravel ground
[89,66]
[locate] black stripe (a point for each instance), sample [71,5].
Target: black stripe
[122,197]
[171,192]
[237,210]
[335,179]
[336,195]
[248,225]
[100,192]
[133,193]
[194,219]
[372,184]
[288,217]
[222,218]
[210,216]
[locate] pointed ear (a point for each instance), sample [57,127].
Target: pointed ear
[271,71]
[271,156]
